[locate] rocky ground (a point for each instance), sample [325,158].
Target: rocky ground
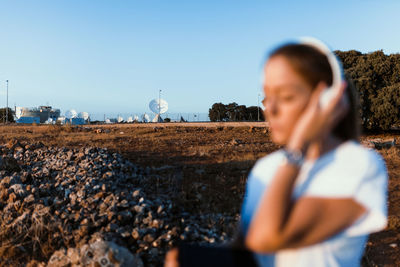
[54,198]
[125,193]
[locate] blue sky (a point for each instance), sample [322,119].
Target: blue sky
[113,56]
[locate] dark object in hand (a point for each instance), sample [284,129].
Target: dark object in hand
[200,256]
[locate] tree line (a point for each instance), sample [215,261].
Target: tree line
[3,115]
[376,77]
[234,112]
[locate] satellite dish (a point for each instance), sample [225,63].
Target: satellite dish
[83,115]
[129,120]
[145,118]
[136,118]
[107,121]
[71,114]
[158,106]
[120,119]
[157,118]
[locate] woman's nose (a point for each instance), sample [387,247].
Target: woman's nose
[272,107]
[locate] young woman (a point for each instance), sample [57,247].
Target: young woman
[315,201]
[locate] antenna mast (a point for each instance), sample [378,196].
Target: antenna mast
[159,103]
[7,104]
[258,107]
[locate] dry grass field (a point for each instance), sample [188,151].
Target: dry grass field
[217,154]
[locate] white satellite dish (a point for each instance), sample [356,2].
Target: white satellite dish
[129,120]
[136,118]
[71,114]
[157,118]
[145,118]
[158,106]
[108,121]
[83,115]
[120,119]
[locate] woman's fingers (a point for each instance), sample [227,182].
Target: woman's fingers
[336,110]
[316,120]
[316,95]
[338,97]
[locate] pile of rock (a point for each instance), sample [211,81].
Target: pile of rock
[70,199]
[98,253]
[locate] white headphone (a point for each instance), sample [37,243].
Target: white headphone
[337,73]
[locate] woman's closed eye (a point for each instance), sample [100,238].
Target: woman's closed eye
[280,99]
[286,97]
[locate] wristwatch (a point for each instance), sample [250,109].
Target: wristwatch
[293,157]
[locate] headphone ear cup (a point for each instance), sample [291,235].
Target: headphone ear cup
[326,96]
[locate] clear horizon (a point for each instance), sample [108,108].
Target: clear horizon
[113,57]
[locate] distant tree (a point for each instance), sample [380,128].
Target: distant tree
[218,112]
[253,114]
[3,115]
[167,120]
[386,107]
[376,77]
[234,112]
[241,113]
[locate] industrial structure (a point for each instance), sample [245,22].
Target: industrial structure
[49,115]
[41,114]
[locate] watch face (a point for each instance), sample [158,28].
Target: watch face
[293,157]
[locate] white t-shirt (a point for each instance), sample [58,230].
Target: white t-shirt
[349,171]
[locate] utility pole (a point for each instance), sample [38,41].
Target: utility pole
[258,107]
[7,103]
[159,104]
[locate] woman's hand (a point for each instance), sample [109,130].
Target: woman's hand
[317,122]
[171,258]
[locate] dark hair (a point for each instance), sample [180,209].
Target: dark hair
[314,67]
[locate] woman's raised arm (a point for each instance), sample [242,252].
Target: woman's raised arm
[279,223]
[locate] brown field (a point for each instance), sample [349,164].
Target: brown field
[219,154]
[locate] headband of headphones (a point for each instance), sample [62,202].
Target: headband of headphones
[333,61]
[329,92]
